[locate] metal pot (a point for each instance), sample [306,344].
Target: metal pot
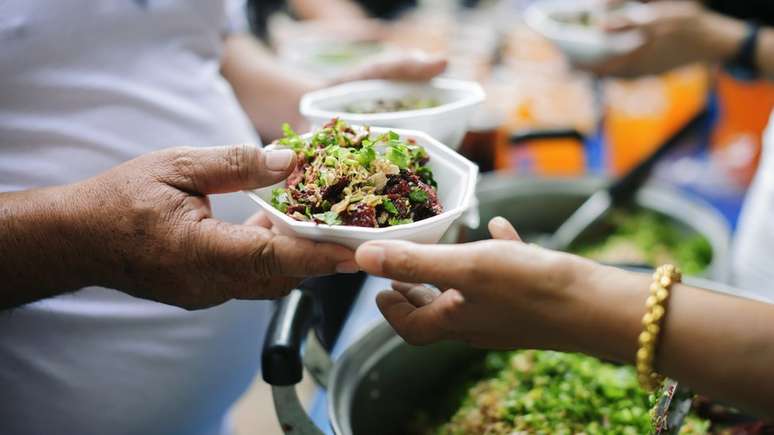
[380,381]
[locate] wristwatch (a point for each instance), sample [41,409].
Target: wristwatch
[742,66]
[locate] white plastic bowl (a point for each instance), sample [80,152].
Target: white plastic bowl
[584,44]
[456,177]
[447,122]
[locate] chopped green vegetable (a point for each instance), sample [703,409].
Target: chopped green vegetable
[418,196]
[280,199]
[398,221]
[546,392]
[389,206]
[329,217]
[366,155]
[399,155]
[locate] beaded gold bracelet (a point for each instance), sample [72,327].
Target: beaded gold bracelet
[656,306]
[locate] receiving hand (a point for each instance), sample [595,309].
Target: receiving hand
[149,224]
[497,293]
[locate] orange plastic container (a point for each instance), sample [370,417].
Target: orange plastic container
[642,113]
[745,108]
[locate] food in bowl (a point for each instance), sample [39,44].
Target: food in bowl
[386,105]
[640,237]
[347,176]
[592,16]
[529,391]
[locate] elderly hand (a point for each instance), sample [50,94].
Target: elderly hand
[498,293]
[676,33]
[149,224]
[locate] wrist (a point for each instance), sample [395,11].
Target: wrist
[720,36]
[608,305]
[85,253]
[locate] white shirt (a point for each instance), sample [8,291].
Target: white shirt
[753,255]
[84,86]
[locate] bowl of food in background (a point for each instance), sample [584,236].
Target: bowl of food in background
[577,28]
[356,183]
[441,107]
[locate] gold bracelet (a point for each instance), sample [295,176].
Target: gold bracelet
[656,306]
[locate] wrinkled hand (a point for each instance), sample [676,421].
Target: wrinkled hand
[498,293]
[150,225]
[676,33]
[416,66]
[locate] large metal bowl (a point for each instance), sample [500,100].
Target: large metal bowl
[380,381]
[539,205]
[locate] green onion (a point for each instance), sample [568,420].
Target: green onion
[329,217]
[418,195]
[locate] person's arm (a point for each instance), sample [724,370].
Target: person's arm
[270,92]
[327,9]
[146,228]
[682,32]
[506,294]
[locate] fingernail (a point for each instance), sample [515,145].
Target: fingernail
[370,258]
[279,160]
[500,222]
[347,267]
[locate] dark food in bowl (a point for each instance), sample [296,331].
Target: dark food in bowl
[346,176]
[384,105]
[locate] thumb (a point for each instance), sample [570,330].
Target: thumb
[227,168]
[500,228]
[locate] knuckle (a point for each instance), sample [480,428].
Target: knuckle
[182,167]
[401,263]
[239,161]
[264,259]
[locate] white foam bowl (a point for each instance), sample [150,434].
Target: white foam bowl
[456,177]
[446,122]
[584,44]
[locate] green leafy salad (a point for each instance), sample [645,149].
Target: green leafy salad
[347,176]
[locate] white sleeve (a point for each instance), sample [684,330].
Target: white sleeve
[235,17]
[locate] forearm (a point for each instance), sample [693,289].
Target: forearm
[327,9]
[41,245]
[765,53]
[268,92]
[719,345]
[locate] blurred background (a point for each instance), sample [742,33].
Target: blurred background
[541,116]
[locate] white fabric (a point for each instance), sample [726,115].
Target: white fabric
[753,255]
[84,86]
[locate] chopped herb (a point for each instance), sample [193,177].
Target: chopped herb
[366,155]
[329,217]
[390,206]
[418,195]
[398,221]
[398,155]
[280,199]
